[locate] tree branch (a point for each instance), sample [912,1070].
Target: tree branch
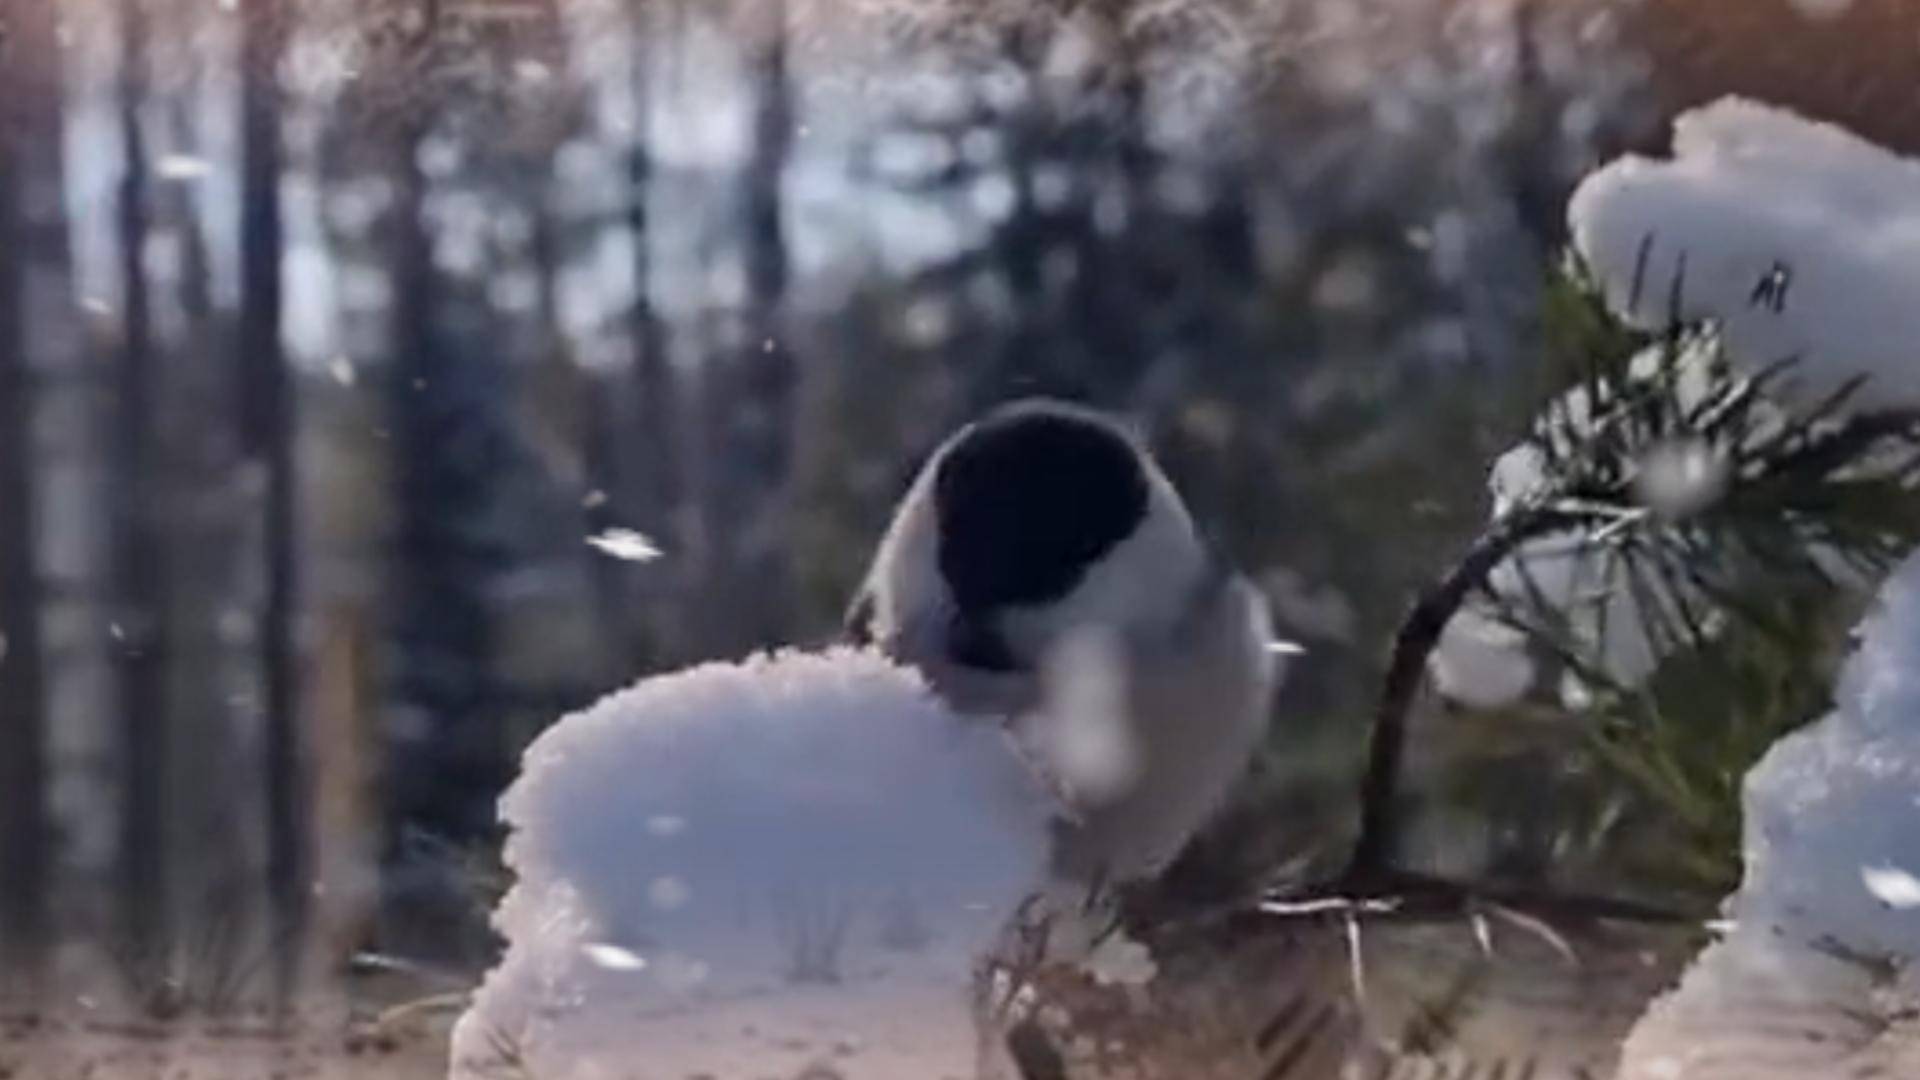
[1420,631]
[1418,636]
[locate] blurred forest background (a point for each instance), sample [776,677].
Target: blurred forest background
[344,346]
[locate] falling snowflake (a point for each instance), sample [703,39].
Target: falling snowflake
[613,957]
[1892,886]
[181,167]
[1680,478]
[668,893]
[628,544]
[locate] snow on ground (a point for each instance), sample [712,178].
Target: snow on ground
[91,1040]
[1796,239]
[1817,979]
[744,870]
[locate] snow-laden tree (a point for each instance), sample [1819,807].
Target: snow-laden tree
[1728,470]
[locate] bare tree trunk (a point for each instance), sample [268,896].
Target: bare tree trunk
[25,88]
[1019,249]
[413,641]
[653,492]
[195,284]
[750,406]
[139,548]
[446,548]
[212,822]
[344,744]
[268,403]
[768,364]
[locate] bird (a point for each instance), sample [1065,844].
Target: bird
[1042,572]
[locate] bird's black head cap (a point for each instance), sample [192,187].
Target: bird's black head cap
[1029,498]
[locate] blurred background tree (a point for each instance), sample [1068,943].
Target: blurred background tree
[331,333]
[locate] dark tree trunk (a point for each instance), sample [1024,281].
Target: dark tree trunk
[749,409]
[138,547]
[1539,191]
[268,410]
[25,90]
[448,769]
[767,267]
[652,464]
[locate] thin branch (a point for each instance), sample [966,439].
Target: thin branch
[1401,895]
[1415,642]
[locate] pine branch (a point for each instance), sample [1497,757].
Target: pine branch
[1801,485]
[1413,645]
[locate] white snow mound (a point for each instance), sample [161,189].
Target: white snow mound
[1798,238]
[749,869]
[1817,979]
[1833,810]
